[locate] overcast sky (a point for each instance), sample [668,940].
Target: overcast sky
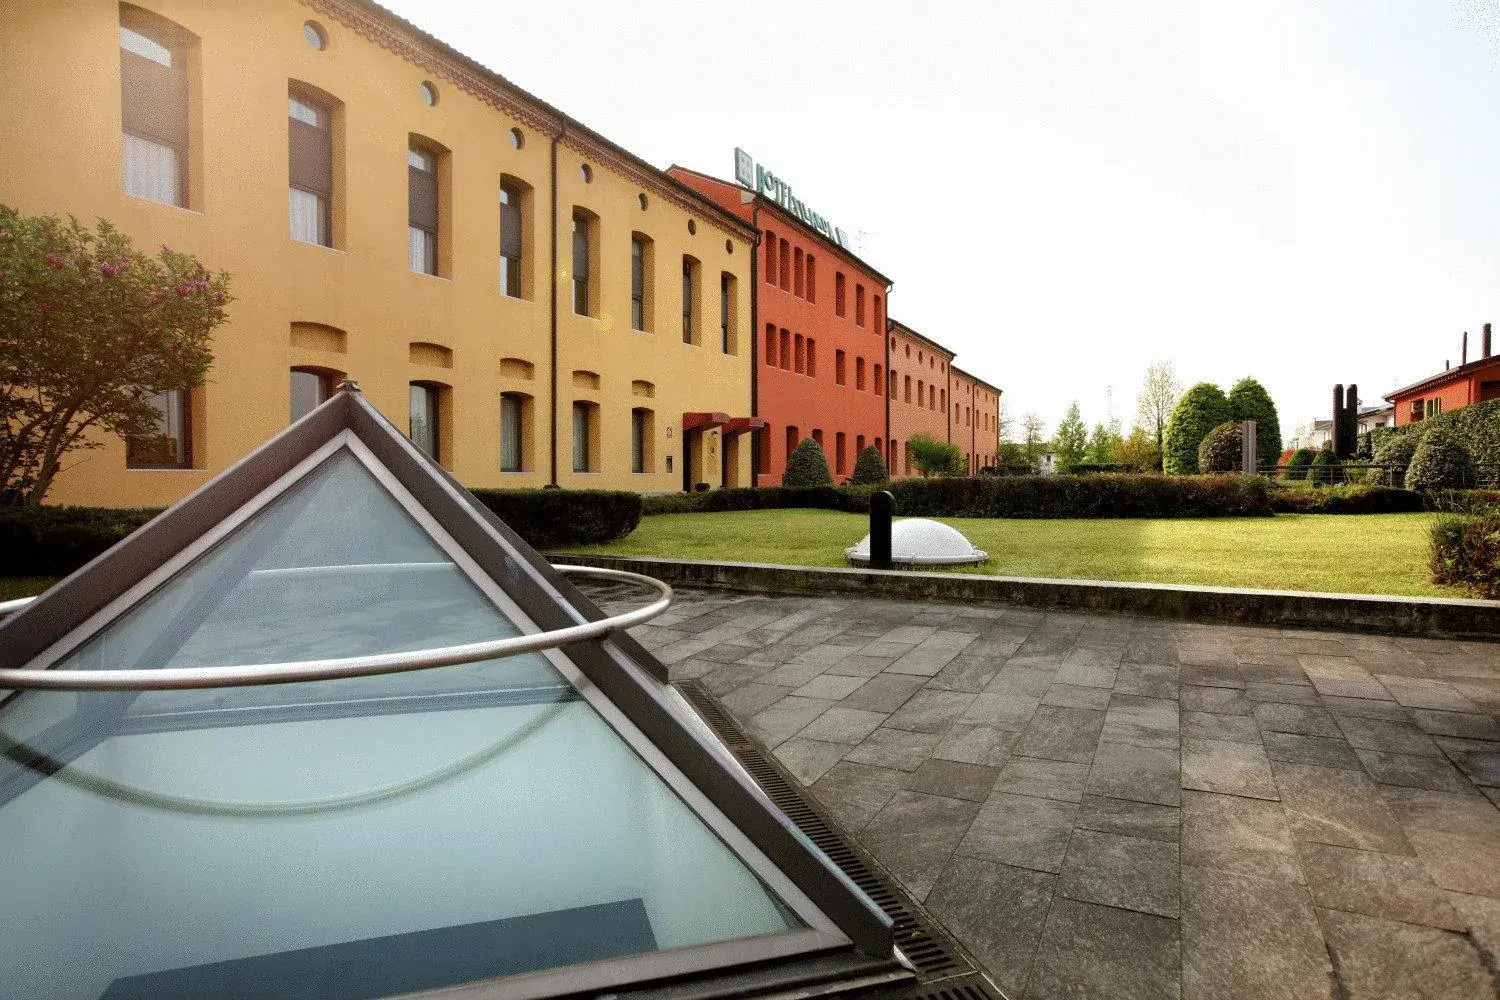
[1066,191]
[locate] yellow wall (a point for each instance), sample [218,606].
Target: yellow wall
[59,70]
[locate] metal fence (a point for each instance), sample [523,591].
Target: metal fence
[1485,477]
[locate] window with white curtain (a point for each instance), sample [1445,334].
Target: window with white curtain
[310,143]
[511,429]
[154,107]
[151,171]
[422,200]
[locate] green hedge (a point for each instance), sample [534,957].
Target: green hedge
[54,541]
[549,518]
[1466,553]
[1361,499]
[1476,427]
[1100,495]
[855,499]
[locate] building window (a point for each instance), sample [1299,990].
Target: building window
[727,295]
[812,358]
[1416,410]
[878,382]
[876,313]
[812,278]
[310,169]
[641,259]
[1434,407]
[838,453]
[770,257]
[154,106]
[859,374]
[859,305]
[792,441]
[422,209]
[859,445]
[514,423]
[786,350]
[169,446]
[583,436]
[512,233]
[817,435]
[315,35]
[838,368]
[310,389]
[690,295]
[799,289]
[428,93]
[585,260]
[799,363]
[771,345]
[424,418]
[838,293]
[907,385]
[891,452]
[785,261]
[943,398]
[642,437]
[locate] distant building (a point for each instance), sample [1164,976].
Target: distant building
[1451,389]
[1371,417]
[1313,434]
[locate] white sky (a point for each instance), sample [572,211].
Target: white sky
[1065,191]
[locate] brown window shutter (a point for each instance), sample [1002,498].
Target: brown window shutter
[153,100]
[311,167]
[422,198]
[510,228]
[580,248]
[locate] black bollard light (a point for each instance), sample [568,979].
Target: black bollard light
[882,506]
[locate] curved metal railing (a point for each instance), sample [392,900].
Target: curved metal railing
[241,675]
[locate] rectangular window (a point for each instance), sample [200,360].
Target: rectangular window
[637,283]
[770,257]
[310,169]
[838,293]
[799,349]
[907,386]
[792,440]
[640,440]
[812,278]
[726,310]
[786,351]
[582,417]
[785,255]
[169,447]
[838,368]
[154,111]
[771,345]
[583,261]
[510,241]
[422,418]
[859,374]
[797,284]
[310,390]
[812,358]
[1434,407]
[876,315]
[512,424]
[689,300]
[859,305]
[838,453]
[878,382]
[422,210]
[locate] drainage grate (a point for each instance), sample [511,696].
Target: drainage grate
[942,971]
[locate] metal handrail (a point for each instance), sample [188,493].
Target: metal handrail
[242,675]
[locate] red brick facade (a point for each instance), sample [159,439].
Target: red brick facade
[976,419]
[918,381]
[1474,382]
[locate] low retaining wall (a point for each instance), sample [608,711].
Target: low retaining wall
[1438,617]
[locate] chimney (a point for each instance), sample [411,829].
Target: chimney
[1485,342]
[1463,350]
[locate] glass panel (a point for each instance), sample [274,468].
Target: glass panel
[510,433]
[309,217]
[151,170]
[309,390]
[168,447]
[580,437]
[423,414]
[304,112]
[409,831]
[149,48]
[637,441]
[421,159]
[421,250]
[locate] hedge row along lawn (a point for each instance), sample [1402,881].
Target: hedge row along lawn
[1371,554]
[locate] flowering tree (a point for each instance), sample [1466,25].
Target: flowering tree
[90,328]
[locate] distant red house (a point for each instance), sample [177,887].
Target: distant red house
[1471,382]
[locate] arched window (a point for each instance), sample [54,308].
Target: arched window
[156,58]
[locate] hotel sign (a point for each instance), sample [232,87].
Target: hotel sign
[757,178]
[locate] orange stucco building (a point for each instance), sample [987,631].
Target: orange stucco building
[820,358]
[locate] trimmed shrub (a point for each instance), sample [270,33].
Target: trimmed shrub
[1200,410]
[851,499]
[1441,462]
[1248,400]
[1090,468]
[1465,552]
[1360,499]
[936,458]
[1220,450]
[549,518]
[1327,469]
[1462,501]
[869,468]
[1391,448]
[1298,463]
[1084,496]
[808,466]
[54,541]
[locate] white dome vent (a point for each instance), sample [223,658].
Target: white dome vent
[917,541]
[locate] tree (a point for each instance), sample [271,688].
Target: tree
[1327,468]
[808,466]
[1158,396]
[90,329]
[1248,400]
[1441,462]
[1071,440]
[1034,431]
[1221,450]
[869,468]
[1103,442]
[1138,452]
[936,458]
[1200,410]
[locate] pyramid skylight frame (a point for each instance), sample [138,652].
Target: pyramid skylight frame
[844,933]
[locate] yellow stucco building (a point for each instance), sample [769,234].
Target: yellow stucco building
[533,302]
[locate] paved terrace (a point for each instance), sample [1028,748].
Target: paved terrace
[1130,808]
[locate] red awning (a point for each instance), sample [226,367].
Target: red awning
[740,425]
[703,421]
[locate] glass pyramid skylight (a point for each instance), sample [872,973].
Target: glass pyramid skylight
[372,836]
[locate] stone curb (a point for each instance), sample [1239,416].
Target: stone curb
[1437,617]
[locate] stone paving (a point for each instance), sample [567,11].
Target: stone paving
[1131,808]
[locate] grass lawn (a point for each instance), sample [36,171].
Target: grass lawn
[1371,553]
[12,587]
